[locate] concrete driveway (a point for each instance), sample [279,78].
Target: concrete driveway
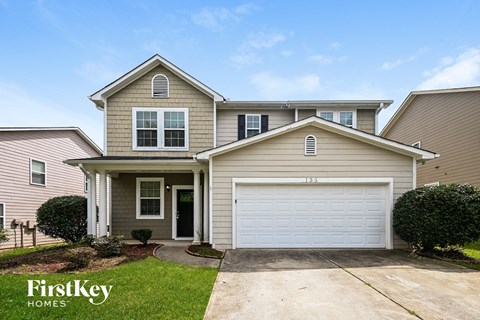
[341,284]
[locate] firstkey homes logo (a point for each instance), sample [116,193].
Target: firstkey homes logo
[38,289]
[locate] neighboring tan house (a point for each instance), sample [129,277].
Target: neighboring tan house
[447,121]
[189,164]
[32,171]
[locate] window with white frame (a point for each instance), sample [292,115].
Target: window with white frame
[253,125]
[150,198]
[327,115]
[160,86]
[2,216]
[160,129]
[38,172]
[417,145]
[310,145]
[346,118]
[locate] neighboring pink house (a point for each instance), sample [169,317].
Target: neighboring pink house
[32,171]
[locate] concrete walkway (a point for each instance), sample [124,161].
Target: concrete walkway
[341,284]
[175,251]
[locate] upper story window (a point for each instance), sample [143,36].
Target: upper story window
[38,172]
[310,146]
[160,129]
[253,125]
[250,125]
[347,118]
[417,145]
[160,86]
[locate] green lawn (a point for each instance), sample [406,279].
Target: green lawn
[473,249]
[145,289]
[10,253]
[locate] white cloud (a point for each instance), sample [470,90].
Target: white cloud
[320,58]
[215,18]
[389,65]
[462,71]
[97,73]
[335,45]
[286,53]
[265,40]
[242,58]
[276,87]
[44,113]
[248,52]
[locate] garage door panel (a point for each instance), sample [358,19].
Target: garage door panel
[298,216]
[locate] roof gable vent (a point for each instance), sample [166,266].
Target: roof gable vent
[160,86]
[310,146]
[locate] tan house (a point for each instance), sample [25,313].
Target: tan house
[32,171]
[447,121]
[188,163]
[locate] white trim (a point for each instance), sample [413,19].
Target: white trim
[4,215]
[162,198]
[86,183]
[432,184]
[326,125]
[214,124]
[210,203]
[259,124]
[336,116]
[205,194]
[419,144]
[296,114]
[160,129]
[102,206]
[318,181]
[414,174]
[315,145]
[105,125]
[174,210]
[168,86]
[44,173]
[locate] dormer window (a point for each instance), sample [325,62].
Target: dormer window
[310,146]
[160,86]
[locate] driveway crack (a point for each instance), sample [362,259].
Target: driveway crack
[412,312]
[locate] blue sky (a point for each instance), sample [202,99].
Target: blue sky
[56,53]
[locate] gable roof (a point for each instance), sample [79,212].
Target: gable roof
[134,74]
[409,99]
[79,131]
[331,126]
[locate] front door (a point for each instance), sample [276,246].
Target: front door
[184,213]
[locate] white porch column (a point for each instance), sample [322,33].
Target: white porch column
[89,205]
[102,214]
[92,195]
[205,206]
[197,216]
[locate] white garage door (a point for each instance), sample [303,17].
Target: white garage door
[309,216]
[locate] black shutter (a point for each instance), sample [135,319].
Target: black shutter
[241,126]
[264,127]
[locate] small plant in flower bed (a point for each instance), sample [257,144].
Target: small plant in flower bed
[109,246]
[205,250]
[142,235]
[80,257]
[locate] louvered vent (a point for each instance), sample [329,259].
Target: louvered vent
[310,146]
[160,86]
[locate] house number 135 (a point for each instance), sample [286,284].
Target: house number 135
[311,180]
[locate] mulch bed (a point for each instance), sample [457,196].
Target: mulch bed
[448,255]
[205,251]
[55,261]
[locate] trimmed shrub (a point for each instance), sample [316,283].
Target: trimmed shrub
[64,217]
[3,236]
[88,240]
[443,216]
[80,257]
[109,246]
[142,235]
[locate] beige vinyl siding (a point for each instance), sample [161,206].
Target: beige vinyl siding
[139,94]
[124,204]
[305,113]
[227,122]
[366,120]
[283,157]
[448,124]
[23,199]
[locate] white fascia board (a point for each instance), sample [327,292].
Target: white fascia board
[132,162]
[306,104]
[326,125]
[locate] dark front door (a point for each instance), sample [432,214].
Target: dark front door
[184,213]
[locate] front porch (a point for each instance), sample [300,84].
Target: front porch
[168,196]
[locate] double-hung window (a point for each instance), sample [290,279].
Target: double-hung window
[150,198]
[327,115]
[38,172]
[160,129]
[347,118]
[2,216]
[253,125]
